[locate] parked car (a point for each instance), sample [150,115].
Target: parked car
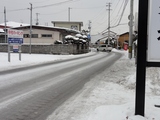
[104,47]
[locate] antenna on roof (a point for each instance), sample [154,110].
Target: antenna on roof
[37,23]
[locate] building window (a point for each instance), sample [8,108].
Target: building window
[25,35]
[47,35]
[28,35]
[34,35]
[75,27]
[2,39]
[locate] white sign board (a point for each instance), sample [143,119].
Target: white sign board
[15,36]
[154,31]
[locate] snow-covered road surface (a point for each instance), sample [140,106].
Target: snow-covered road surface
[112,97]
[34,94]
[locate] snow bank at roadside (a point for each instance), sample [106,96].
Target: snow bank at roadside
[126,76]
[32,59]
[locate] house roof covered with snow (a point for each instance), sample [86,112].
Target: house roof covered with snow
[12,24]
[16,25]
[1,30]
[48,28]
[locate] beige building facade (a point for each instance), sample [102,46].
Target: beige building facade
[44,35]
[41,36]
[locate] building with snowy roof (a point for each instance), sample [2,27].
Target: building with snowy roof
[40,34]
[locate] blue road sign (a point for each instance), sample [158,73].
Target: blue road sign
[15,40]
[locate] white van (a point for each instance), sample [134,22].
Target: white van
[104,47]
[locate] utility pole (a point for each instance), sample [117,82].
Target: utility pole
[69,10]
[89,27]
[5,32]
[130,29]
[109,6]
[37,23]
[89,36]
[5,25]
[30,47]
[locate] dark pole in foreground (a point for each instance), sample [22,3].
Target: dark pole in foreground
[141,57]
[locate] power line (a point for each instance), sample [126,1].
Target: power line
[103,21]
[16,10]
[115,7]
[125,4]
[98,14]
[121,7]
[55,12]
[41,1]
[116,19]
[53,4]
[89,7]
[124,7]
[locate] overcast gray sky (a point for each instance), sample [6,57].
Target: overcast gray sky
[81,10]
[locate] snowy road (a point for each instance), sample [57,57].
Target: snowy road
[35,93]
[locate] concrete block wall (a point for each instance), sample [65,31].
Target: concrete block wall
[49,49]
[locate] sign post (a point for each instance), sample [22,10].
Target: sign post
[15,39]
[141,58]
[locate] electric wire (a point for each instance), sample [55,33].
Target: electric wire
[115,8]
[120,9]
[41,1]
[89,7]
[102,23]
[99,13]
[55,12]
[115,20]
[16,10]
[52,4]
[55,4]
[103,20]
[124,7]
[126,2]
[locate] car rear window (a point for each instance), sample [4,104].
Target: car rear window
[103,46]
